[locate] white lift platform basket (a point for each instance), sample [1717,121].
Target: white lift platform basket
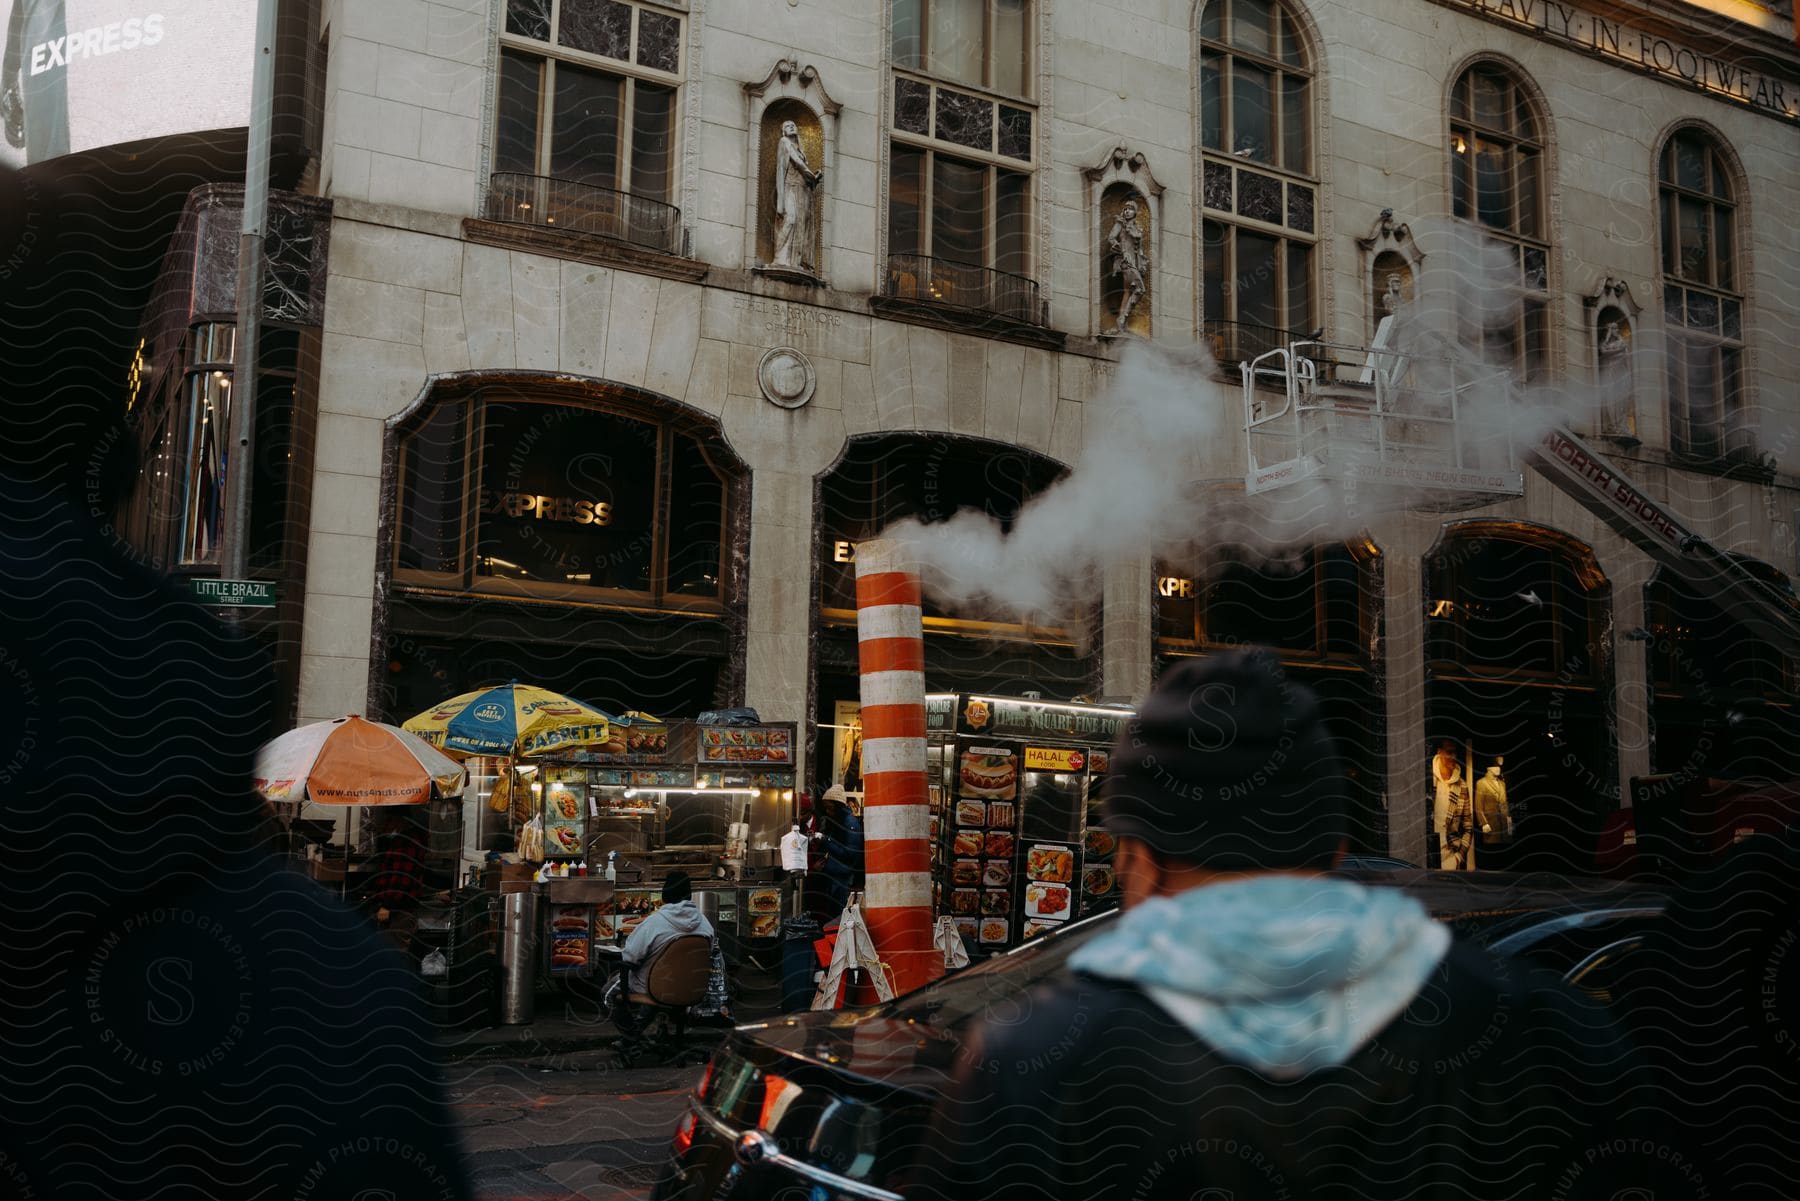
[1379,419]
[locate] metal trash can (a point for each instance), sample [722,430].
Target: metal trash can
[518,957]
[799,962]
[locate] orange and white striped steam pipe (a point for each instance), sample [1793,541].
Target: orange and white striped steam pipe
[890,637]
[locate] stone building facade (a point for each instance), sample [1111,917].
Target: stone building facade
[567,203]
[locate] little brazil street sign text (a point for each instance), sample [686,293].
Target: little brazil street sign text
[1620,43]
[243,594]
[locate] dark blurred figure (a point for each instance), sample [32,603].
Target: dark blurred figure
[1713,997]
[392,897]
[1254,1026]
[186,1015]
[841,834]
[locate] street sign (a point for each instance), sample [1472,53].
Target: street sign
[233,594]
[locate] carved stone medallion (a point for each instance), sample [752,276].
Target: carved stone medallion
[786,377]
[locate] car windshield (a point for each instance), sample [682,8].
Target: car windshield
[995,987]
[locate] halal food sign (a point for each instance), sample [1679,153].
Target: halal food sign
[1050,758]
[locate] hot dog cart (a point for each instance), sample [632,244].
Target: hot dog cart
[709,800]
[1014,789]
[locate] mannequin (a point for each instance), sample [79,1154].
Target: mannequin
[794,847]
[1451,815]
[1491,812]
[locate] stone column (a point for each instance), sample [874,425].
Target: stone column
[778,626]
[1630,572]
[1128,630]
[1402,544]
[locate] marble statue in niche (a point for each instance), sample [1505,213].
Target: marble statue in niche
[1613,371]
[791,202]
[1130,260]
[1392,286]
[1125,267]
[1391,300]
[1612,341]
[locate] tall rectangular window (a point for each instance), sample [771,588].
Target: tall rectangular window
[1703,313]
[1257,185]
[588,101]
[961,155]
[1496,182]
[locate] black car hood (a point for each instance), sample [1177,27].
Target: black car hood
[898,1053]
[915,1041]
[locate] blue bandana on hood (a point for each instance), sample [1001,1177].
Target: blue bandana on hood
[1287,974]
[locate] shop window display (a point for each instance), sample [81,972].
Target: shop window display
[1721,698]
[1517,676]
[1320,609]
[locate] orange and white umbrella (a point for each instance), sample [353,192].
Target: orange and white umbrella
[351,761]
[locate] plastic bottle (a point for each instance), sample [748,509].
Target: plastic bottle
[612,865]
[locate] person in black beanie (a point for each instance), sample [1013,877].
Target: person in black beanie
[1253,1025]
[189,1016]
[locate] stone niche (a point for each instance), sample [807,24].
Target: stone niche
[1124,178]
[790,93]
[1612,325]
[1391,264]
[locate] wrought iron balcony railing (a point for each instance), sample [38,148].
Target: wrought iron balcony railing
[553,203]
[1236,342]
[963,285]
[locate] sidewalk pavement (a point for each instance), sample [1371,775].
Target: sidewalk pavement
[569,1020]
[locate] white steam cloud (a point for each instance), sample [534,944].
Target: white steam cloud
[1163,465]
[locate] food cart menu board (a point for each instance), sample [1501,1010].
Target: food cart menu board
[762,909]
[1052,875]
[746,744]
[1099,884]
[981,850]
[570,938]
[565,810]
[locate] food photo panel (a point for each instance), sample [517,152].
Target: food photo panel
[988,773]
[1050,862]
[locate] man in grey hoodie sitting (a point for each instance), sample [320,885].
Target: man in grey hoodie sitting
[678,915]
[1255,1027]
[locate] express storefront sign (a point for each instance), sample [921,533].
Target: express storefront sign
[547,508]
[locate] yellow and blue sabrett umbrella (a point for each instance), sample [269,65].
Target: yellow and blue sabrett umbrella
[513,720]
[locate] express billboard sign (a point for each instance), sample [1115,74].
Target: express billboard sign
[76,75]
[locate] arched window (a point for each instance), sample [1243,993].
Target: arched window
[521,492]
[1721,699]
[1321,613]
[1702,304]
[1260,228]
[1518,676]
[1497,181]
